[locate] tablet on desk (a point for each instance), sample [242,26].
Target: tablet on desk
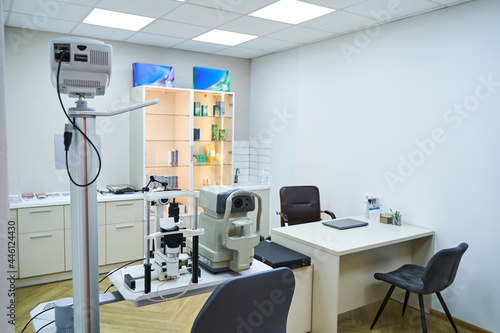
[345,224]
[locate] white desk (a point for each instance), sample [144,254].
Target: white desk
[344,262]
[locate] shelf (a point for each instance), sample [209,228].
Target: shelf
[166,166]
[168,114]
[159,140]
[210,141]
[205,117]
[210,165]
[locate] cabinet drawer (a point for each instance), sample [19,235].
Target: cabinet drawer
[101,215]
[40,219]
[41,253]
[101,247]
[124,242]
[124,211]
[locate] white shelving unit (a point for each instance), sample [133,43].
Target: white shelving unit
[169,125]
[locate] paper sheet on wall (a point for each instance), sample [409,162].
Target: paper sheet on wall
[374,209]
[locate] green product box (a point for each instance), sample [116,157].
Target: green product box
[197,108]
[222,135]
[214,132]
[204,110]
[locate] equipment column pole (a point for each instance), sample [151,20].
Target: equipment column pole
[84,231]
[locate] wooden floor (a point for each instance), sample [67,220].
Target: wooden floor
[178,315]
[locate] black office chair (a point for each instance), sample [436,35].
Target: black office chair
[300,204]
[257,303]
[435,277]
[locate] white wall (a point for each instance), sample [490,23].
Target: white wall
[34,114]
[5,298]
[363,106]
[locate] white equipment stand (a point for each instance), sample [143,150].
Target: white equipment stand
[82,165]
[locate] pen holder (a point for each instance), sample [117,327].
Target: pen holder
[396,221]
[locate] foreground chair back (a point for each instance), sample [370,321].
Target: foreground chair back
[300,204]
[438,275]
[257,303]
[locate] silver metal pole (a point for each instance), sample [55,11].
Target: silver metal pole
[84,232]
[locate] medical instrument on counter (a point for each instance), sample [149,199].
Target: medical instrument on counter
[165,261]
[81,67]
[230,234]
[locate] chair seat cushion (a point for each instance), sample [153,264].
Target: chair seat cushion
[407,277]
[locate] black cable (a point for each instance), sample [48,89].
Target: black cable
[78,128]
[39,313]
[153,179]
[111,285]
[116,269]
[41,328]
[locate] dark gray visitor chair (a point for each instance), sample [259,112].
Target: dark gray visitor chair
[435,277]
[300,204]
[257,303]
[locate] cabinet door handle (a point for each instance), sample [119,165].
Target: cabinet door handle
[47,210]
[41,236]
[124,203]
[124,226]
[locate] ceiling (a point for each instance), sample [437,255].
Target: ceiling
[178,22]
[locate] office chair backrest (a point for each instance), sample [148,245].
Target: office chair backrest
[300,204]
[441,270]
[256,303]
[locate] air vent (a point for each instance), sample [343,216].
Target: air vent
[99,58]
[81,83]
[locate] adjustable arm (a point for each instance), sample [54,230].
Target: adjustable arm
[124,109]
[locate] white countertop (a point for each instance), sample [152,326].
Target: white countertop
[342,242]
[63,198]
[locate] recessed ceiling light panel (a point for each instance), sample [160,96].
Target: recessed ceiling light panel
[224,37]
[291,11]
[111,19]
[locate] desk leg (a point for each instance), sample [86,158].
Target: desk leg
[325,302]
[325,285]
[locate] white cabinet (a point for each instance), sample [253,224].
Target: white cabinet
[44,235]
[124,231]
[41,240]
[204,158]
[124,211]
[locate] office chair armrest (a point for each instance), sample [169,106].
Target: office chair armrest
[329,213]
